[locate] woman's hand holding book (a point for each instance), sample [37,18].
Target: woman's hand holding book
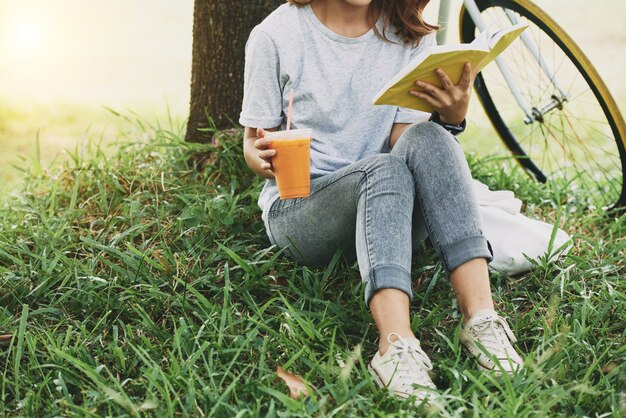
[450,101]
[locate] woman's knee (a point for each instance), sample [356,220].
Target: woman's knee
[430,130]
[427,137]
[388,171]
[429,146]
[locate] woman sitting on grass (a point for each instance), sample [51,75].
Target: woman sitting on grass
[382,178]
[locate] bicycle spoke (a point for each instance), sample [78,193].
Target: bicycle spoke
[572,142]
[590,157]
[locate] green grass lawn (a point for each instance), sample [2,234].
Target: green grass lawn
[134,286]
[46,132]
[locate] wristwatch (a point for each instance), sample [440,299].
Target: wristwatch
[453,129]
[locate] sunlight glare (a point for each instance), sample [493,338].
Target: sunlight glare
[26,36]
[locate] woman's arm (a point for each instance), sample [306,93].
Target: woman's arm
[255,151]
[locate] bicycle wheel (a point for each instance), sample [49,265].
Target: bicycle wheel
[576,135]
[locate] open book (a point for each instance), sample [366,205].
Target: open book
[451,58]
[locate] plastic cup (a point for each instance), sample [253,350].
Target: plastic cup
[291,164]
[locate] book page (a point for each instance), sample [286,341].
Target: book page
[482,41]
[501,40]
[497,36]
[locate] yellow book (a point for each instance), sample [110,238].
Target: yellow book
[480,52]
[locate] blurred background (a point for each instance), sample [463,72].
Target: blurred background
[64,62]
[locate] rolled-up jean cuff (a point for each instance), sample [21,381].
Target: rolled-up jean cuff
[465,250]
[388,277]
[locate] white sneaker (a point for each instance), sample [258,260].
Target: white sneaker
[488,337]
[404,369]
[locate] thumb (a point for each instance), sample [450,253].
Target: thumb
[260,133]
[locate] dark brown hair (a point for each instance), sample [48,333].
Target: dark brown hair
[405,16]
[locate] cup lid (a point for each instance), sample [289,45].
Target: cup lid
[291,134]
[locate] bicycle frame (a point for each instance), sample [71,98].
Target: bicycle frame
[531,114]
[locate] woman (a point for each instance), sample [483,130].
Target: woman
[382,178]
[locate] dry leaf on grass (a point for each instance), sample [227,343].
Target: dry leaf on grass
[296,385]
[5,339]
[281,281]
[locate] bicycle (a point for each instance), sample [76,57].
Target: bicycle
[547,102]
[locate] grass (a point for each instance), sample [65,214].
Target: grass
[43,131]
[134,286]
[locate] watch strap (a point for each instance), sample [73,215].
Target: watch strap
[453,129]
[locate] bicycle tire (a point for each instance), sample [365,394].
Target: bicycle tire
[607,192]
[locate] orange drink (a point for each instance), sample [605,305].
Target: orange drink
[291,164]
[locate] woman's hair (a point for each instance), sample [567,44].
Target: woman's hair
[405,16]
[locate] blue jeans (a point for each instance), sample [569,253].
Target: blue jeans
[378,208]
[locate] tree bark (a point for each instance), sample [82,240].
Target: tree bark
[220,32]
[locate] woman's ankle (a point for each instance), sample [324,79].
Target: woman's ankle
[470,282]
[390,309]
[468,313]
[383,341]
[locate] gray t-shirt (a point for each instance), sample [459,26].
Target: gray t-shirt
[334,79]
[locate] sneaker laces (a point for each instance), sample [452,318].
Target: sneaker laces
[412,364]
[495,335]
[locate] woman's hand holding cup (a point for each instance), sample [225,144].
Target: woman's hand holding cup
[291,164]
[263,151]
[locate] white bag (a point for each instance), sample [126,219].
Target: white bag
[512,235]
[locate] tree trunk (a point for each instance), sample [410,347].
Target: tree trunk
[220,32]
